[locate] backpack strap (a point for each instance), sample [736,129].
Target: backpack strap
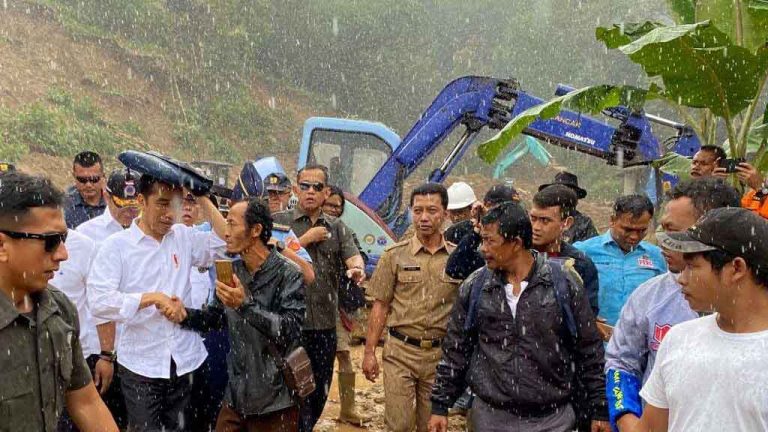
[563,295]
[474,298]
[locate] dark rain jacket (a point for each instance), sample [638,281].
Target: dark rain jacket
[273,311]
[526,364]
[582,229]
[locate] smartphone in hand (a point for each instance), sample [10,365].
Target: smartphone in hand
[224,272]
[730,164]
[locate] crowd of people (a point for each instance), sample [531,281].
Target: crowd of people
[520,316]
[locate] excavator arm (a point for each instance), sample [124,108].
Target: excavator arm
[478,102]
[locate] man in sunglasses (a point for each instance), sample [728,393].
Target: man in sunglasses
[42,364]
[278,188]
[85,198]
[328,242]
[122,207]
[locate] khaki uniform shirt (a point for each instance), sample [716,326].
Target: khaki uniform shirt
[414,285]
[40,360]
[322,297]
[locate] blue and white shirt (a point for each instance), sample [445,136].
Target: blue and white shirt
[655,307]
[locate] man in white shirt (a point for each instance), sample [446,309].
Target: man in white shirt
[96,337]
[710,372]
[141,278]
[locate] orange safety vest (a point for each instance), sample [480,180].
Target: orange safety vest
[758,204]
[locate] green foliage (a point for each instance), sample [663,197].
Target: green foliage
[588,100]
[700,67]
[62,125]
[622,34]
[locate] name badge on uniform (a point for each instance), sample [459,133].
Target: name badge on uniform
[645,262]
[411,268]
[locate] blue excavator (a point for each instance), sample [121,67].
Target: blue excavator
[371,162]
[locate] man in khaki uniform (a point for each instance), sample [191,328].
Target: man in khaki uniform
[414,298]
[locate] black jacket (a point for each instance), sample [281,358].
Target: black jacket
[466,259]
[526,364]
[586,270]
[273,311]
[582,229]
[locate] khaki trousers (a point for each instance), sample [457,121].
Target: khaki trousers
[286,420]
[409,373]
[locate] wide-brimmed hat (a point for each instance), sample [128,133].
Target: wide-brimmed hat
[567,179]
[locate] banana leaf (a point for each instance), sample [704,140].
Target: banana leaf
[674,164]
[699,66]
[586,100]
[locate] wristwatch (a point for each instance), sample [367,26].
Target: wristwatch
[110,356]
[280,245]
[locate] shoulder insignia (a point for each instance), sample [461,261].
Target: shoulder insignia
[397,245]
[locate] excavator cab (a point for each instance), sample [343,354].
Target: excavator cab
[354,151]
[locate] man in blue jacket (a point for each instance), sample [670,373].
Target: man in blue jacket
[657,304]
[623,260]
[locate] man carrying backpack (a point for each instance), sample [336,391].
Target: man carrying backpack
[519,331]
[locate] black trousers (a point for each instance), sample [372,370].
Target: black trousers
[156,404]
[113,399]
[321,349]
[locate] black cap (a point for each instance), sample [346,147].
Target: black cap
[498,194]
[277,182]
[122,184]
[567,179]
[737,231]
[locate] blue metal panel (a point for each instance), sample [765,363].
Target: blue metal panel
[343,125]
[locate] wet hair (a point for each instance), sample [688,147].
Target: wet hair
[87,159]
[257,213]
[513,222]
[719,258]
[557,196]
[706,193]
[717,150]
[636,205]
[431,189]
[335,190]
[314,167]
[145,185]
[20,193]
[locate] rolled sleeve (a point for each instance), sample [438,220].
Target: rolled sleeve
[103,294]
[206,246]
[382,283]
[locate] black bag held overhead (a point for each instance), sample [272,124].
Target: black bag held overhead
[296,369]
[167,169]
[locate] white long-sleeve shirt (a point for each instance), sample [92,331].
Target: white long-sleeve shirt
[71,280]
[131,263]
[100,227]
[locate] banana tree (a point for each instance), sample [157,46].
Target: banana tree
[717,65]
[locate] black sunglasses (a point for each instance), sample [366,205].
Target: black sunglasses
[318,187]
[52,240]
[84,180]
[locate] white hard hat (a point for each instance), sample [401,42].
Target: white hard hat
[460,195]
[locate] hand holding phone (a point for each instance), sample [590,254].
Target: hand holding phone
[730,164]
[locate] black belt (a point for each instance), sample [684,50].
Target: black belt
[421,343]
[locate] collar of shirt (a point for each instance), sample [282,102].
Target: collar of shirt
[77,199]
[44,305]
[608,240]
[268,263]
[417,246]
[136,234]
[299,214]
